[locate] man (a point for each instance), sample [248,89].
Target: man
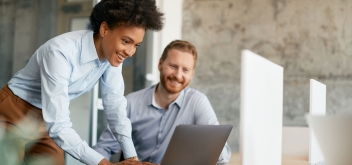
[69,65]
[156,111]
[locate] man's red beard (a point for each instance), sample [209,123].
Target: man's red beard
[172,90]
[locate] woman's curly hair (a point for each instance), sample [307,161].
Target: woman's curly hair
[137,13]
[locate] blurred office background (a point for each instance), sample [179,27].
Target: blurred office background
[310,39]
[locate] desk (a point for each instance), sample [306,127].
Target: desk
[286,160]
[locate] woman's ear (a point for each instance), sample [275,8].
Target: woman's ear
[103,29]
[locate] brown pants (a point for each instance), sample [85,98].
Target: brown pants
[25,138]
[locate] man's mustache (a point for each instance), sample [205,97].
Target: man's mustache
[173,78]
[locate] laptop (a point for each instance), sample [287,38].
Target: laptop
[334,136]
[196,144]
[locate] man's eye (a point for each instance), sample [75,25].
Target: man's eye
[185,70]
[138,45]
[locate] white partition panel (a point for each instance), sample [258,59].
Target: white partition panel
[317,107]
[261,110]
[295,141]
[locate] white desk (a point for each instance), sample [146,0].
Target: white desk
[286,160]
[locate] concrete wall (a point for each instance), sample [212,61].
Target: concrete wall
[310,39]
[6,39]
[24,26]
[25,32]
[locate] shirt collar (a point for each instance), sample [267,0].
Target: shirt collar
[89,53]
[178,101]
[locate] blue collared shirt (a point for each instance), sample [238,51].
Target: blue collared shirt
[59,71]
[153,126]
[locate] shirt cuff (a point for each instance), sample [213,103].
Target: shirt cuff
[128,149]
[91,157]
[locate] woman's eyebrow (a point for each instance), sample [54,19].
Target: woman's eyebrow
[130,39]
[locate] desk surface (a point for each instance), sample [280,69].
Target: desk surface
[286,160]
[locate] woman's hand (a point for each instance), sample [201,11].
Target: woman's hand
[133,162]
[125,162]
[129,162]
[105,162]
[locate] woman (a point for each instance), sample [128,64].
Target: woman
[69,65]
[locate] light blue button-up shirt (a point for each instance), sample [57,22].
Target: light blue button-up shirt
[62,69]
[153,126]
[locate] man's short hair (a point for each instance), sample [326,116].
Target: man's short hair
[183,46]
[130,13]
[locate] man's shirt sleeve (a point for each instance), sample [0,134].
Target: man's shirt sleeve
[205,115]
[112,90]
[55,72]
[107,144]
